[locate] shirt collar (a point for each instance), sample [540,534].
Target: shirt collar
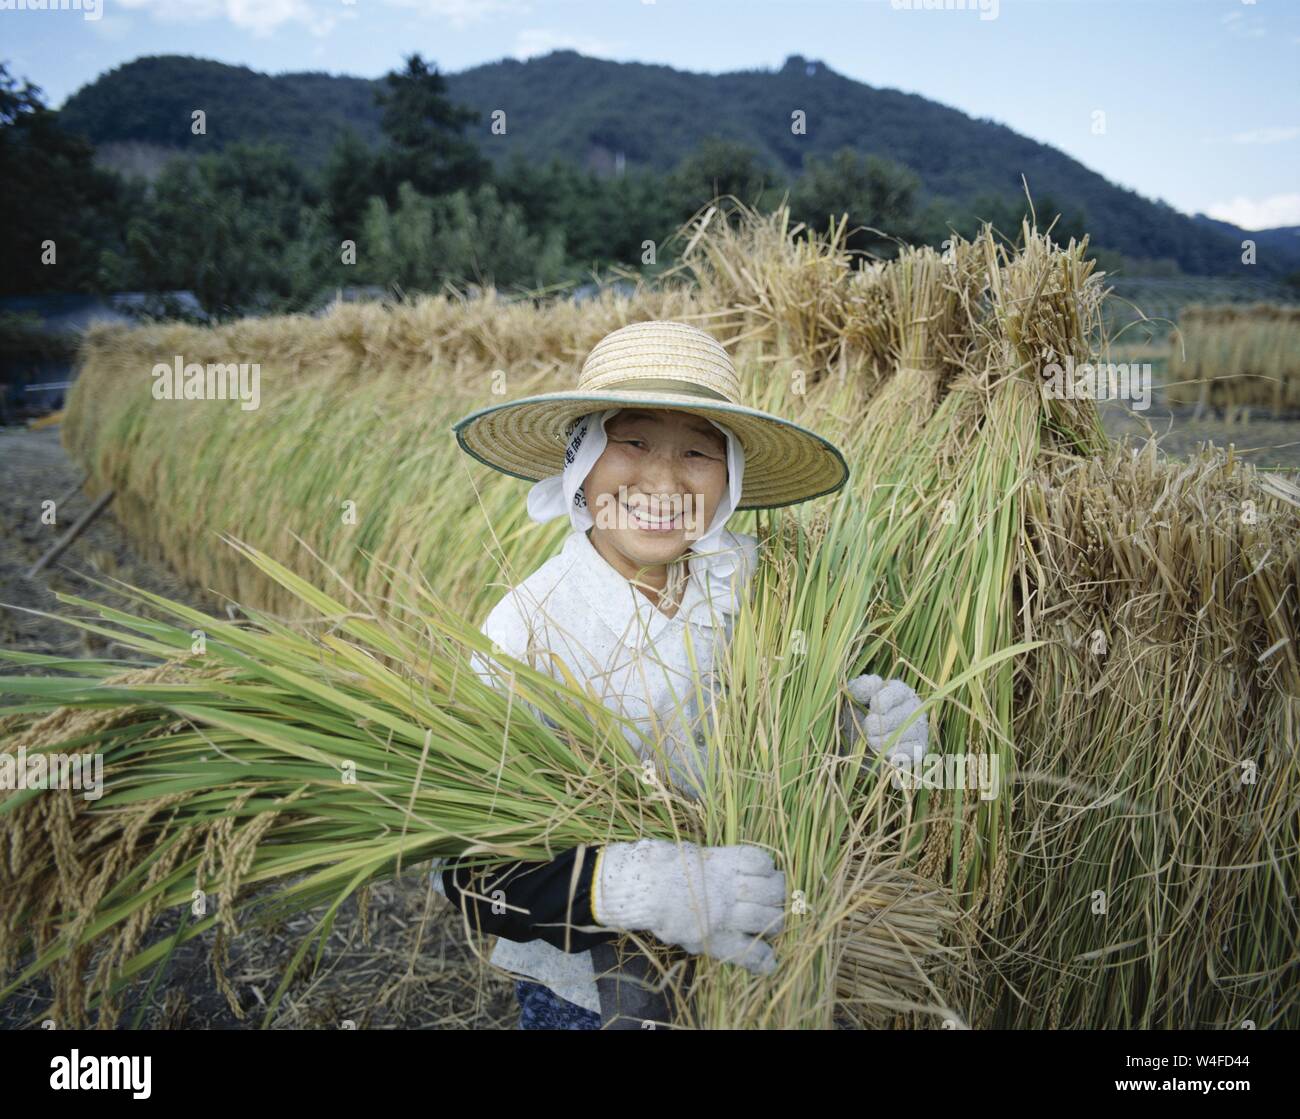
[614,598]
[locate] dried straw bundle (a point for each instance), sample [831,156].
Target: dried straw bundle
[1151,880]
[315,761]
[1232,356]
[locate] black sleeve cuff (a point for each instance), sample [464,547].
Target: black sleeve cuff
[525,901]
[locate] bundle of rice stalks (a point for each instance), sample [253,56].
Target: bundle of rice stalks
[1232,356]
[313,761]
[781,778]
[907,949]
[768,285]
[1156,833]
[316,760]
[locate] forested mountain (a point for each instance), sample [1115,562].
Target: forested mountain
[151,101]
[1284,240]
[612,116]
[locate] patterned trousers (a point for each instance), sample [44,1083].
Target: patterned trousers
[540,1008]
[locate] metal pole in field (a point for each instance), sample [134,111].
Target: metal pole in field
[58,547]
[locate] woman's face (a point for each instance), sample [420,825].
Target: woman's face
[655,488]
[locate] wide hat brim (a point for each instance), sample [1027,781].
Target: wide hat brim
[784,463]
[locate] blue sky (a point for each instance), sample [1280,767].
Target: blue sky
[1199,96]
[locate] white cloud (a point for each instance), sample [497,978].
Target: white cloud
[1263,213]
[538,40]
[261,17]
[1243,26]
[177,11]
[460,13]
[1267,135]
[114,28]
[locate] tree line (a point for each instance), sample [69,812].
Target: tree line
[248,229]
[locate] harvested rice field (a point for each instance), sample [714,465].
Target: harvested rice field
[1110,627]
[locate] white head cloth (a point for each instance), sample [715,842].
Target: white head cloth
[563,493]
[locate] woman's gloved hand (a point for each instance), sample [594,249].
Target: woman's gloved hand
[875,710]
[716,901]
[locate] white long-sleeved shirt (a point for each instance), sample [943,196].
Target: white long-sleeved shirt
[634,656]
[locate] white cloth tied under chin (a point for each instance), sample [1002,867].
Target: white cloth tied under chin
[563,493]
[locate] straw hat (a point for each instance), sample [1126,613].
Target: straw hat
[668,365]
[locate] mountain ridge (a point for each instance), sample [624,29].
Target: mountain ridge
[605,115]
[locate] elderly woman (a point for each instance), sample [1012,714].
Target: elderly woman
[657,455]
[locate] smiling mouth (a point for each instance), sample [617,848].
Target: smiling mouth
[646,523]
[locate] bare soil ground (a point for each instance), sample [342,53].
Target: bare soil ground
[1267,441]
[1260,439]
[417,971]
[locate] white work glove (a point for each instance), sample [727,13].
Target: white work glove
[716,901]
[877,709]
